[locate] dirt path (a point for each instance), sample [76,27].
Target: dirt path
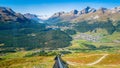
[97,61]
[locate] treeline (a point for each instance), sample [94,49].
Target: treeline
[17,25]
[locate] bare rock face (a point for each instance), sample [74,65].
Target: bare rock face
[6,10]
[8,15]
[103,10]
[74,12]
[87,10]
[84,11]
[58,14]
[115,10]
[33,17]
[30,16]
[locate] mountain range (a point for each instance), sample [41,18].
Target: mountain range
[88,14]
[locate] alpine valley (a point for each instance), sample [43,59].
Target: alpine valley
[88,38]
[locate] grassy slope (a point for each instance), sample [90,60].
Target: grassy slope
[17,60]
[75,60]
[80,60]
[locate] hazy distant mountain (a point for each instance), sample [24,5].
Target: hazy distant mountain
[8,15]
[88,14]
[33,17]
[43,17]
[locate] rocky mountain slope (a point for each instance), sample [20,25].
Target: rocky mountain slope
[8,15]
[33,17]
[88,14]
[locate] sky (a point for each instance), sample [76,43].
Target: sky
[49,7]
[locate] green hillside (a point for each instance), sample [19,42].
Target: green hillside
[15,37]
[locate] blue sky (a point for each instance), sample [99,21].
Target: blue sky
[49,7]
